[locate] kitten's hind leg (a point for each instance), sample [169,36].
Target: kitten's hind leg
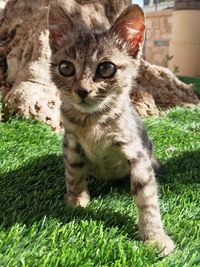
[144,189]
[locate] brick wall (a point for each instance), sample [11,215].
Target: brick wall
[158,36]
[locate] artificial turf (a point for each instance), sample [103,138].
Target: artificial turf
[38,229]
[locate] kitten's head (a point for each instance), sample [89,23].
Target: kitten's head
[93,68]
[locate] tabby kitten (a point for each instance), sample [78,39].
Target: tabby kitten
[104,137]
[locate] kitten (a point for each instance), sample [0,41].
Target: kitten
[104,136]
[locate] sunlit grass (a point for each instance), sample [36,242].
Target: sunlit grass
[38,229]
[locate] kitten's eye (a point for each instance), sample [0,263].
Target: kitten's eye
[106,69]
[66,68]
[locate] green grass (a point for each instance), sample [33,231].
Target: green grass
[39,229]
[193,80]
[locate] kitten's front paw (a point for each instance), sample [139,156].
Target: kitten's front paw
[81,200]
[164,244]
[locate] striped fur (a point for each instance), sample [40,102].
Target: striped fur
[104,137]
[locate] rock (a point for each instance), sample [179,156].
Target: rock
[158,88]
[24,76]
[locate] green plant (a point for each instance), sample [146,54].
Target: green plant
[176,69]
[167,59]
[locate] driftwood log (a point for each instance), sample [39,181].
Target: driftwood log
[25,83]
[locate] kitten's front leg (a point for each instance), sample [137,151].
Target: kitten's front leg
[75,173]
[144,190]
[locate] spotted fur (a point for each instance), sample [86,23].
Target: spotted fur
[104,136]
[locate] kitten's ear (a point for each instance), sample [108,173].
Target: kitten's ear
[60,26]
[130,28]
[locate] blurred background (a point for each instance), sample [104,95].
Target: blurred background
[172,41]
[173,34]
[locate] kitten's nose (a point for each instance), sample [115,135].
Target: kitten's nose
[82,92]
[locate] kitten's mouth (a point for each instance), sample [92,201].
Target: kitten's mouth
[86,105]
[85,102]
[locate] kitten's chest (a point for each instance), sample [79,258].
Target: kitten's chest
[106,161]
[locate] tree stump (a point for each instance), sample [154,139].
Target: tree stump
[25,82]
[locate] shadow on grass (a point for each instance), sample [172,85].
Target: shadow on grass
[37,189]
[183,169]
